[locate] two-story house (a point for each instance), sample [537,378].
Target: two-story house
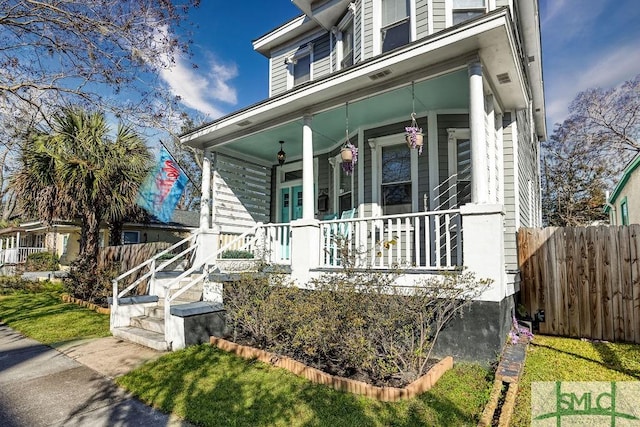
[468,71]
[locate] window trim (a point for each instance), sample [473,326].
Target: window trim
[488,5]
[455,134]
[346,22]
[292,60]
[376,145]
[624,219]
[338,177]
[377,24]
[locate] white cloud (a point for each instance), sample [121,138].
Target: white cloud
[608,69]
[198,89]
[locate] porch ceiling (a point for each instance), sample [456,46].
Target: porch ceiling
[450,91]
[378,91]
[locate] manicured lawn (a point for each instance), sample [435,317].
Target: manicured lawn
[212,388]
[564,359]
[44,317]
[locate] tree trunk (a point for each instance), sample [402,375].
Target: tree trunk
[91,236]
[115,233]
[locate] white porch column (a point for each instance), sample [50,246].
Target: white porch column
[208,240]
[308,205]
[205,187]
[479,176]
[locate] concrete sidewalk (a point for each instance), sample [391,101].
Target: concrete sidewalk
[40,386]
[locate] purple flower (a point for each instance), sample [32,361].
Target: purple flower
[348,167]
[412,133]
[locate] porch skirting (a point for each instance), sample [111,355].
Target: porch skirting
[478,333]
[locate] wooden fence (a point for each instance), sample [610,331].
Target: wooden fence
[129,256]
[586,279]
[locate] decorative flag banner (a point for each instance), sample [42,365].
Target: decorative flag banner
[161,191]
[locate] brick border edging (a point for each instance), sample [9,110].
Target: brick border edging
[384,394]
[91,306]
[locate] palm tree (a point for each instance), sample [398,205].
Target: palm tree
[77,170]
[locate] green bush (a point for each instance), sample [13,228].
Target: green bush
[236,254]
[350,324]
[12,284]
[94,288]
[42,261]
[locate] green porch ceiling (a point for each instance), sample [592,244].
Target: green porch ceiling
[450,91]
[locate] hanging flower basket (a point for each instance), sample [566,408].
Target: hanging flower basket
[349,154]
[414,135]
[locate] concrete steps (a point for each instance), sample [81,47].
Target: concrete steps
[143,337]
[148,330]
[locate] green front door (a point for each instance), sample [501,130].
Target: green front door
[290,210]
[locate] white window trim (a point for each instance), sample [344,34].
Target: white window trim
[448,9]
[376,145]
[347,20]
[293,59]
[377,24]
[338,176]
[454,134]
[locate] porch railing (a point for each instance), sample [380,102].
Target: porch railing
[275,242]
[422,240]
[18,255]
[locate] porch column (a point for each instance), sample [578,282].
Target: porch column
[205,187]
[208,240]
[308,205]
[479,177]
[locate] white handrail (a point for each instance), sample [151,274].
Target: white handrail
[152,270]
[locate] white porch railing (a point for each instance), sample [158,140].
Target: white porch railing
[423,240]
[154,265]
[275,242]
[18,255]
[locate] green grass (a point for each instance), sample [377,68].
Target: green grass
[565,359]
[45,318]
[212,388]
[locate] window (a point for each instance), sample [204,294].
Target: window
[395,188]
[345,189]
[463,10]
[302,70]
[130,237]
[395,31]
[459,182]
[347,45]
[624,212]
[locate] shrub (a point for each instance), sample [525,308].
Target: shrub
[352,323]
[12,284]
[95,288]
[42,261]
[236,254]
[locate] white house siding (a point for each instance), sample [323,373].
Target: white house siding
[367,45]
[242,193]
[510,248]
[422,18]
[439,15]
[357,32]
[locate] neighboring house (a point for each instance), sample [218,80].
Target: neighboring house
[63,237]
[623,205]
[469,69]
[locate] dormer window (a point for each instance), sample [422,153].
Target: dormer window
[463,10]
[395,30]
[302,70]
[300,66]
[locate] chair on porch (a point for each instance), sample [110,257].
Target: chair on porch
[340,235]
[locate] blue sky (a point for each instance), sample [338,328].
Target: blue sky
[586,43]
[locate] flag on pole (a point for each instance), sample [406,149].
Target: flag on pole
[162,189]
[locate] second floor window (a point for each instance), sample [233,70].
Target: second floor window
[463,10]
[347,45]
[395,31]
[302,70]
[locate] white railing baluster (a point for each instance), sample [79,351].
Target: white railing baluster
[437,238]
[447,221]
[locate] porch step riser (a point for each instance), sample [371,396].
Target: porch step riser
[152,324]
[155,312]
[143,337]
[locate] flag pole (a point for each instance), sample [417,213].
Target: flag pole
[178,163]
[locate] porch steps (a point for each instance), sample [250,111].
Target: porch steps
[148,329]
[143,337]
